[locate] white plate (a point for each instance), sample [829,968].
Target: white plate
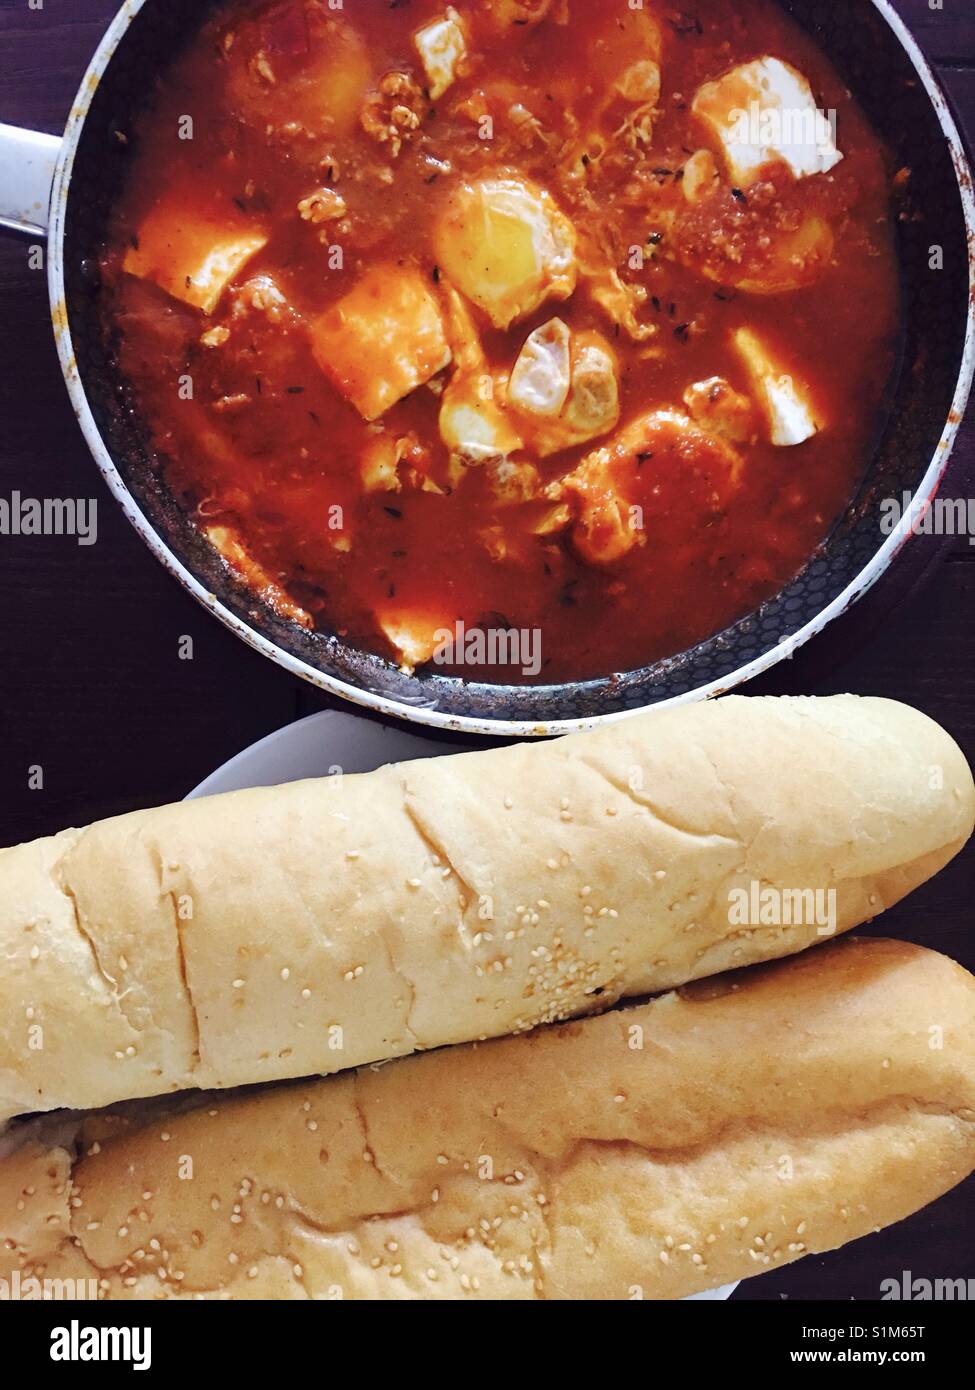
[321,746]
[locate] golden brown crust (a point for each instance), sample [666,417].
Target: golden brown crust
[311,928]
[652,1152]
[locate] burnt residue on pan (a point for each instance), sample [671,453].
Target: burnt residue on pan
[879,71]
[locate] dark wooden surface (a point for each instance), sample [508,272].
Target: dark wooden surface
[93,690]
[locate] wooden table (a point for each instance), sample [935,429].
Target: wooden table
[93,690]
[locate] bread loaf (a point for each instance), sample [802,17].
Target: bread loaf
[306,929]
[653,1152]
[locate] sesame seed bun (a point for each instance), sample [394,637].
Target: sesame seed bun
[655,1151]
[306,929]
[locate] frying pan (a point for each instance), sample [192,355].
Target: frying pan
[66,188]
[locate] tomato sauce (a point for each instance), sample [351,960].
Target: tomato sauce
[305,143]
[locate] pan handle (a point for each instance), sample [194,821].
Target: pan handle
[27,163]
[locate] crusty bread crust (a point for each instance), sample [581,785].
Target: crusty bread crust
[653,1152]
[311,928]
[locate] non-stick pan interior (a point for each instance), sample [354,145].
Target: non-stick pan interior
[885,81]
